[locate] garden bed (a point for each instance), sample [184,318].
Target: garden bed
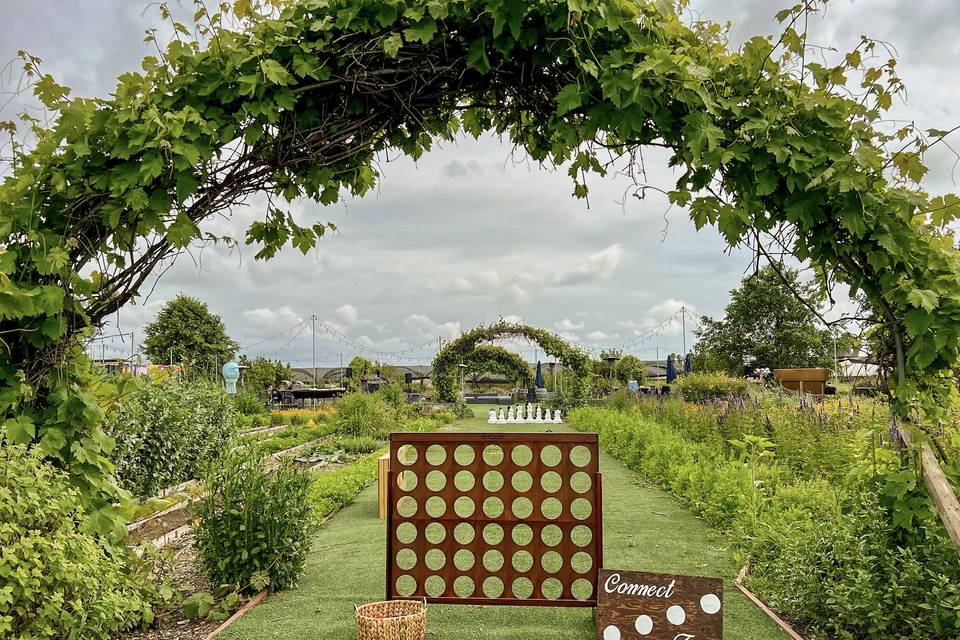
[157,526]
[187,575]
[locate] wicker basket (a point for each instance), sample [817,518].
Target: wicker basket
[392,620]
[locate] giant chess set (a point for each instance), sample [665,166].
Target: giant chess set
[520,414]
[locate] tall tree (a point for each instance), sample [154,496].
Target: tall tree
[262,373]
[186,331]
[767,320]
[628,368]
[359,366]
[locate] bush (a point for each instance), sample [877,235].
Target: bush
[851,574]
[704,387]
[57,580]
[394,396]
[248,404]
[462,410]
[252,528]
[362,414]
[165,432]
[445,417]
[260,420]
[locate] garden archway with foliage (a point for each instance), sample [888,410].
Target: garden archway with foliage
[470,350]
[490,358]
[300,99]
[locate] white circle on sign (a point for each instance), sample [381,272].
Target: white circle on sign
[676,614]
[710,603]
[611,632]
[643,625]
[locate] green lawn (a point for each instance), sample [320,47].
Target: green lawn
[644,529]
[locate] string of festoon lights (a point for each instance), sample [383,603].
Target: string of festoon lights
[314,326]
[650,334]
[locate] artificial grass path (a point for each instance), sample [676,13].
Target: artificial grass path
[644,529]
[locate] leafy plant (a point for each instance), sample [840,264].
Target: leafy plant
[292,436]
[249,404]
[204,604]
[57,580]
[166,431]
[393,395]
[363,414]
[253,522]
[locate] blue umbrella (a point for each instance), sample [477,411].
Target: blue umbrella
[688,363]
[671,369]
[538,379]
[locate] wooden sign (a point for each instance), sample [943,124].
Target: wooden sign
[634,605]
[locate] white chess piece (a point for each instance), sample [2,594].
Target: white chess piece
[546,416]
[510,418]
[556,416]
[501,418]
[492,416]
[539,417]
[529,412]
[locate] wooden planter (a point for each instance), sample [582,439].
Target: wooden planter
[810,381]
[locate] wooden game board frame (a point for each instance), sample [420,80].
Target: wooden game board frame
[507,520]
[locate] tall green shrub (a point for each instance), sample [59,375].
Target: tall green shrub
[56,580]
[362,414]
[166,431]
[252,528]
[249,403]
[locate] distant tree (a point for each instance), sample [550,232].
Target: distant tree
[361,367]
[766,320]
[262,373]
[185,331]
[600,373]
[390,372]
[630,368]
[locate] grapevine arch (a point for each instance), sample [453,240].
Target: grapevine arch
[470,346]
[300,99]
[491,358]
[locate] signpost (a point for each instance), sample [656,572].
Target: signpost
[632,605]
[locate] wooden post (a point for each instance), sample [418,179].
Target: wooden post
[383,478]
[939,489]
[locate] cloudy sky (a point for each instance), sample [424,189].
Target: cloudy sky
[469,233]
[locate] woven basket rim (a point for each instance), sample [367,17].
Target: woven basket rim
[422,608]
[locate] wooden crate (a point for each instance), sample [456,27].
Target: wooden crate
[810,380]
